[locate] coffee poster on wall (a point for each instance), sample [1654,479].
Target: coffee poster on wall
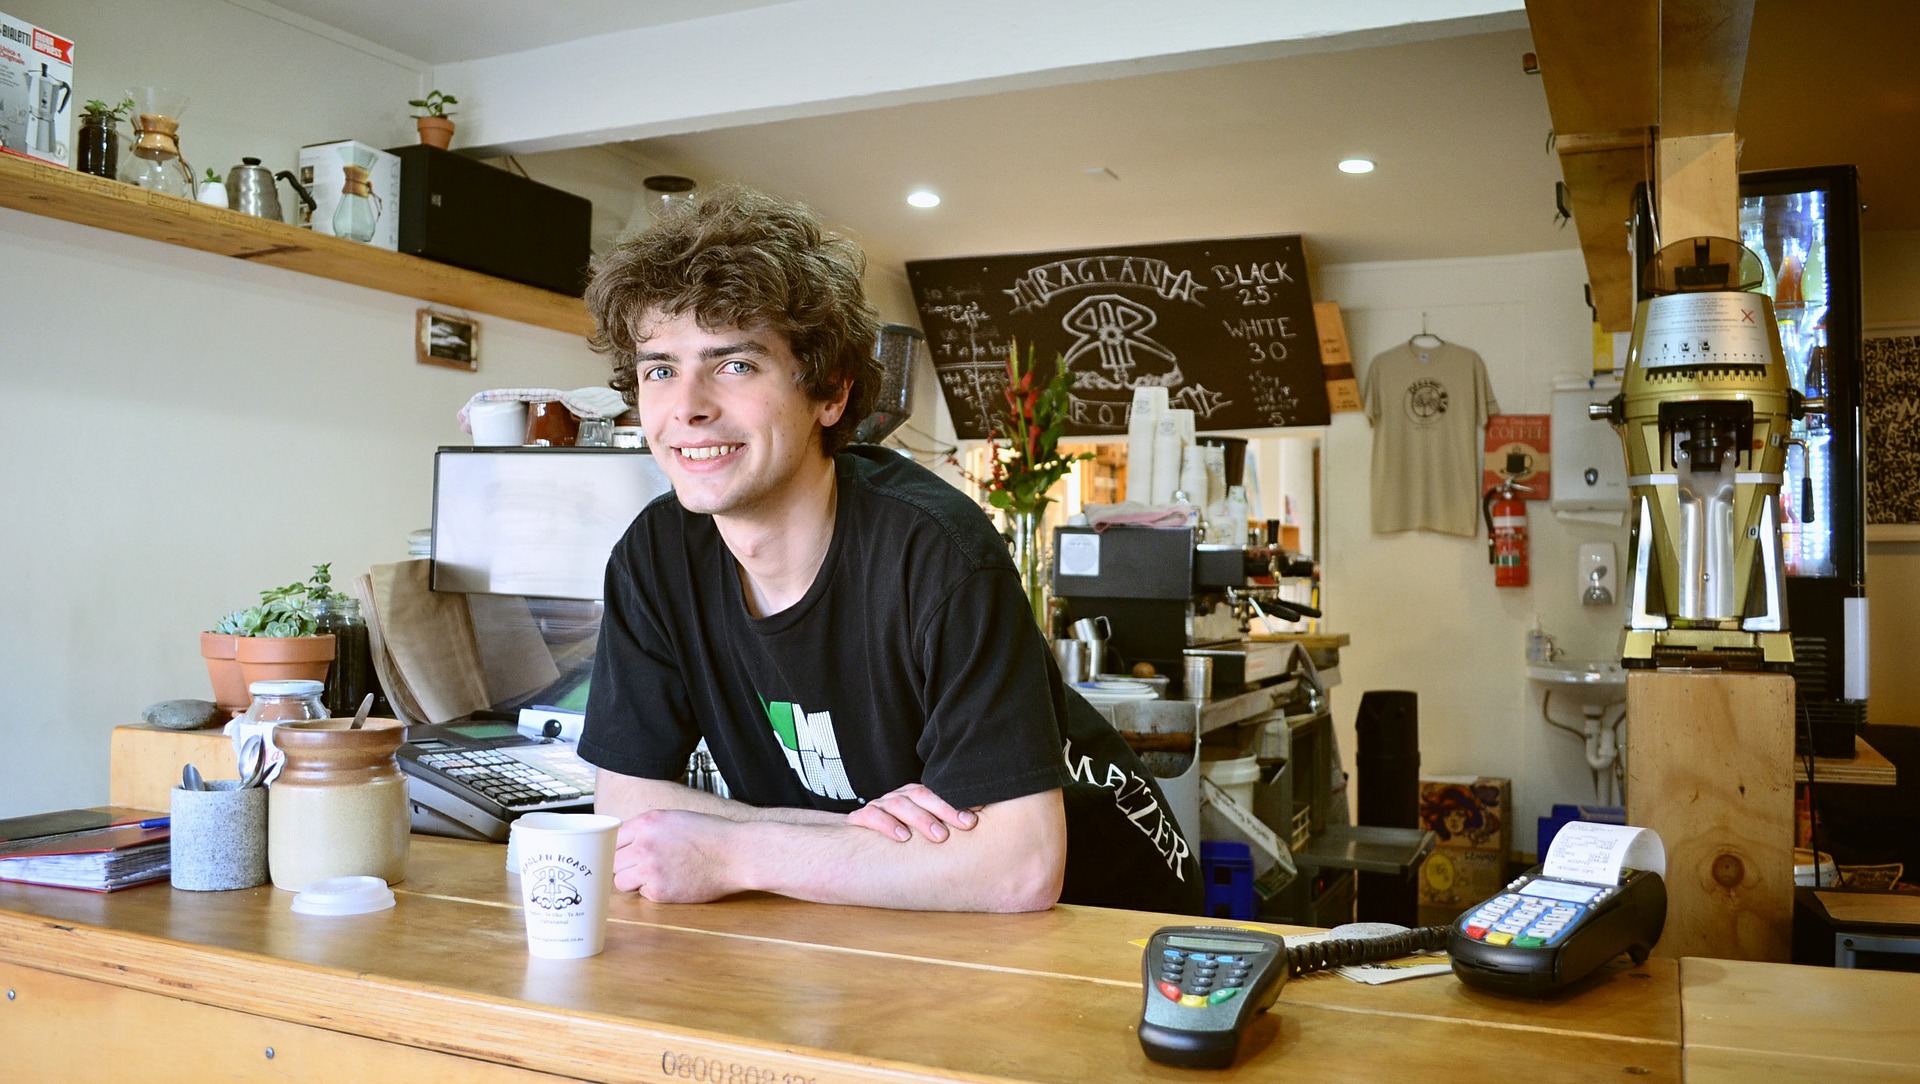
[1227,327]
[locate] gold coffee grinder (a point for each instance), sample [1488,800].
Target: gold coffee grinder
[1705,411]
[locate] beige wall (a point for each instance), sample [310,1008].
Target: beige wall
[189,429]
[1422,608]
[1890,299]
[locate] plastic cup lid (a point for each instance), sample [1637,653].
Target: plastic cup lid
[344,896]
[287,688]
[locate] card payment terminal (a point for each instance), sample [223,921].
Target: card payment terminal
[1544,933]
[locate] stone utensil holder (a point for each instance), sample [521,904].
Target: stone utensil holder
[219,837]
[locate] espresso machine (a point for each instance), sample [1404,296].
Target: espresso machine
[1168,596]
[1705,412]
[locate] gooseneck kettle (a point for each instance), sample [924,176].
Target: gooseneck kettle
[251,189]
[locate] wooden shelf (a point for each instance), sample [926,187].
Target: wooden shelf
[109,205]
[1866,766]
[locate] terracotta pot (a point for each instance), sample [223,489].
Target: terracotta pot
[284,658]
[434,131]
[223,669]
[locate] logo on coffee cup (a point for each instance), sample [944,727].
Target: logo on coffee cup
[554,889]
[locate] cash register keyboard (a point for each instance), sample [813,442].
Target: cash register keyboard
[501,778]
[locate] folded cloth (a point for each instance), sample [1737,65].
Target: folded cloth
[582,402]
[1135,514]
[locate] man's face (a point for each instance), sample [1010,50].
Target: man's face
[725,415]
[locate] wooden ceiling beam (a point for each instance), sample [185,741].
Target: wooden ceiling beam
[1640,89]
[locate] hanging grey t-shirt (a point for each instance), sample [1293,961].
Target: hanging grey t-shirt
[1428,409]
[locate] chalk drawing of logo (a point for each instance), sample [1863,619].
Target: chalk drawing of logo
[554,890]
[1112,330]
[1426,399]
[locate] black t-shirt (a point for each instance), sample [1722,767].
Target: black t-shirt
[912,658]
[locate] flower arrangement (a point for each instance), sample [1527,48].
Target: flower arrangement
[1026,437]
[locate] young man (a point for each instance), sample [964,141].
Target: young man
[844,629]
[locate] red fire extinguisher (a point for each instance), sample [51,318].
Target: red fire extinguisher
[1506,516]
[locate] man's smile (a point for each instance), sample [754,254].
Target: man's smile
[707,451]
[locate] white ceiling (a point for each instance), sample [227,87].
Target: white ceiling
[447,31]
[1241,149]
[1458,129]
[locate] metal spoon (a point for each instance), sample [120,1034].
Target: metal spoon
[366,704]
[190,778]
[253,761]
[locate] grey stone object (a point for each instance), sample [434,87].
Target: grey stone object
[219,837]
[180,714]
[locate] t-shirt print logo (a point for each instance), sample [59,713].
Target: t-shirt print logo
[812,748]
[1426,400]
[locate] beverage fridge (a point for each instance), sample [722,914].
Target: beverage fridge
[1804,224]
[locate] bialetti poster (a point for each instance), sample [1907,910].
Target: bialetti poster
[1225,326]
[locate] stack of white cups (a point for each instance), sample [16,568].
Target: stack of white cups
[1142,423]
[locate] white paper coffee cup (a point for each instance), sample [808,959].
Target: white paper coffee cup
[566,877]
[498,423]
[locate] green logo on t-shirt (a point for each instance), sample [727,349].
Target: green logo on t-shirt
[812,748]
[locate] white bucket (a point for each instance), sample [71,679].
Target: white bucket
[1237,777]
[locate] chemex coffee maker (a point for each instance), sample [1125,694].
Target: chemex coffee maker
[1705,411]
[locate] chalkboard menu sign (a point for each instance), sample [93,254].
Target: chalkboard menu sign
[1225,326]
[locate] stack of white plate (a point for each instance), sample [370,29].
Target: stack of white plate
[420,542]
[1109,691]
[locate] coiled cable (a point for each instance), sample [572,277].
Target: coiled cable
[1304,959]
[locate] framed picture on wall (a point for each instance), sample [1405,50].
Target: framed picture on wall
[1890,408]
[443,339]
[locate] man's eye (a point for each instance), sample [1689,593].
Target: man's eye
[736,365]
[657,372]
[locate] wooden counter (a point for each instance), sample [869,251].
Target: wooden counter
[198,986]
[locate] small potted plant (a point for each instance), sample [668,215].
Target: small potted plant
[435,129]
[277,639]
[99,143]
[212,190]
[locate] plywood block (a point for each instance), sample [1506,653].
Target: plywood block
[145,761]
[1710,768]
[1598,63]
[1601,176]
[1703,58]
[1747,1022]
[54,1027]
[1699,189]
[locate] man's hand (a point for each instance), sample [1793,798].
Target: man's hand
[673,856]
[913,808]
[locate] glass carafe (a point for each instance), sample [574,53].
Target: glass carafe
[359,209]
[156,162]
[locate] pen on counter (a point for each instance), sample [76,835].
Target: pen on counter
[157,822]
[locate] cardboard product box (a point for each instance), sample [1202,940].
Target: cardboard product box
[1471,816]
[1453,880]
[1343,389]
[36,93]
[356,192]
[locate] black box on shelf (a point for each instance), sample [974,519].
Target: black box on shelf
[461,211]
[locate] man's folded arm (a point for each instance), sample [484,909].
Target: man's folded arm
[696,847]
[624,796]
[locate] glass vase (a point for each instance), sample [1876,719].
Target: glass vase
[1029,559]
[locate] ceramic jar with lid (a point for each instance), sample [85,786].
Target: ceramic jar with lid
[339,805]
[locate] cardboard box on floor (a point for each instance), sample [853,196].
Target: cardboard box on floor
[1471,816]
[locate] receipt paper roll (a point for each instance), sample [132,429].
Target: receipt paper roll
[1594,854]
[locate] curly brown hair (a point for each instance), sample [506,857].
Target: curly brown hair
[744,259]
